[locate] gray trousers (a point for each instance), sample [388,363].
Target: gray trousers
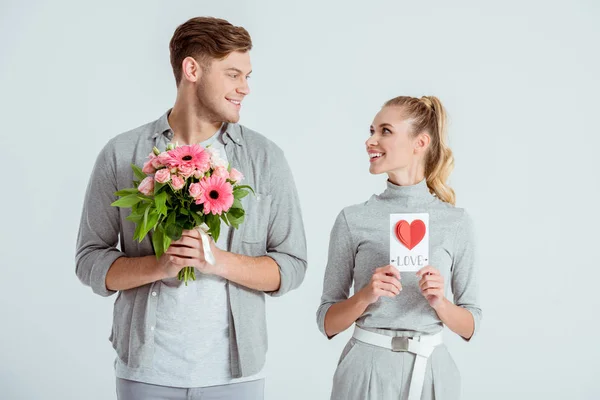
[132,390]
[367,372]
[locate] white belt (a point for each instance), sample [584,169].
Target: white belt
[420,346]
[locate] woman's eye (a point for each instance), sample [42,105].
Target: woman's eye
[386,130]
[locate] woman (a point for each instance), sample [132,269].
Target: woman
[396,350]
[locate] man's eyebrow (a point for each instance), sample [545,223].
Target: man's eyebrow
[237,70]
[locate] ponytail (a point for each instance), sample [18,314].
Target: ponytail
[428,115]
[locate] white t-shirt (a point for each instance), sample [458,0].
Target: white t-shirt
[192,326]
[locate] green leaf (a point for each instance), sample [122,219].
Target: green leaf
[214,224]
[137,171]
[240,221]
[171,218]
[127,201]
[138,231]
[240,194]
[135,218]
[158,241]
[236,217]
[244,187]
[236,222]
[158,186]
[160,201]
[125,192]
[174,231]
[166,242]
[146,199]
[150,222]
[140,208]
[182,220]
[224,218]
[237,203]
[236,213]
[145,220]
[199,220]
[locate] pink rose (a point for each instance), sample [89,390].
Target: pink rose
[186,170]
[148,168]
[198,174]
[147,186]
[156,163]
[221,172]
[235,175]
[166,159]
[177,182]
[195,190]
[162,175]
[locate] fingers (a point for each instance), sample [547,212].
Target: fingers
[180,261]
[388,270]
[388,275]
[431,281]
[427,270]
[390,280]
[388,287]
[384,293]
[193,233]
[187,241]
[433,292]
[181,251]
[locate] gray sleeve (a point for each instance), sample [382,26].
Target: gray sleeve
[464,271]
[339,271]
[99,227]
[286,239]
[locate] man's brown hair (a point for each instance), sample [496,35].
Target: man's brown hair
[204,39]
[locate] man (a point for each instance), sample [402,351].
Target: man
[208,338]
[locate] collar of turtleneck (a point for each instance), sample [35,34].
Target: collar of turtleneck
[410,195]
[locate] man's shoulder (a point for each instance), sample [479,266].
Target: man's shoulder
[257,142]
[134,136]
[129,142]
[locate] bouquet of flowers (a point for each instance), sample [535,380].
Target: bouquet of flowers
[184,187]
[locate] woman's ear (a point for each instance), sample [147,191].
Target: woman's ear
[422,142]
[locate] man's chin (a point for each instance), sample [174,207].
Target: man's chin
[232,119]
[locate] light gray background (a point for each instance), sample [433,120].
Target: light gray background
[519,79]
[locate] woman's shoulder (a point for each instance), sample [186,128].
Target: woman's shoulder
[457,218]
[355,213]
[447,208]
[358,208]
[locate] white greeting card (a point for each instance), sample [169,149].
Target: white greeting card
[409,241]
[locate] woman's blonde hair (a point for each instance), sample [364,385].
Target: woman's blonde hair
[428,115]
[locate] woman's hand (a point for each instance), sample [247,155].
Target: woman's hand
[431,285]
[384,282]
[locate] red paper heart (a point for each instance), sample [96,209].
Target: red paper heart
[411,234]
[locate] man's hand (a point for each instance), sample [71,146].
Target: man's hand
[189,252]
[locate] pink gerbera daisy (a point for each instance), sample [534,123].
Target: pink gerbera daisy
[189,155]
[217,195]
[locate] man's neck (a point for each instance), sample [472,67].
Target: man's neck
[189,126]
